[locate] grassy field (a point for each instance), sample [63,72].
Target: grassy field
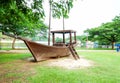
[15,68]
[84,48]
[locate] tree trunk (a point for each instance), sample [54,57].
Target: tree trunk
[0,44]
[63,23]
[113,45]
[49,22]
[107,46]
[13,44]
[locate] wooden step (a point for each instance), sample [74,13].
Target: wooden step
[76,52]
[73,52]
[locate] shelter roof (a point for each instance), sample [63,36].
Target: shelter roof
[63,31]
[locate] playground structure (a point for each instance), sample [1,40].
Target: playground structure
[42,52]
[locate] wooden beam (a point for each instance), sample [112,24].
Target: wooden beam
[70,38]
[75,36]
[63,37]
[53,38]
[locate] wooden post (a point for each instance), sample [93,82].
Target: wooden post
[53,40]
[63,37]
[70,38]
[75,36]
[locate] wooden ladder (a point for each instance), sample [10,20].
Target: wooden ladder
[73,52]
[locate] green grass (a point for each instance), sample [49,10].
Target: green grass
[13,49]
[84,48]
[8,57]
[107,65]
[5,48]
[106,69]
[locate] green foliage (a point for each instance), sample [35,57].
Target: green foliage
[19,19]
[37,5]
[59,39]
[81,38]
[107,33]
[61,8]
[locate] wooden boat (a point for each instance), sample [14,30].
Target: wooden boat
[42,52]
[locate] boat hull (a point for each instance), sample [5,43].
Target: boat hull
[43,52]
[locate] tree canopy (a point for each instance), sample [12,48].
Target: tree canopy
[23,17]
[106,33]
[61,8]
[19,17]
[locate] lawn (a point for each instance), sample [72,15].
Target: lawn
[15,68]
[84,48]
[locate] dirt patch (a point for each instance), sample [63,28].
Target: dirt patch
[66,62]
[21,69]
[14,51]
[16,70]
[70,63]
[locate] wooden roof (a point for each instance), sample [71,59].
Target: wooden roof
[63,31]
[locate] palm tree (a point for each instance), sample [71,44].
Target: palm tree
[50,2]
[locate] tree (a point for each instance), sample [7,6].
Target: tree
[19,19]
[59,8]
[107,33]
[62,9]
[81,38]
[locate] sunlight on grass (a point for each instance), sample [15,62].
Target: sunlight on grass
[105,70]
[56,75]
[11,57]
